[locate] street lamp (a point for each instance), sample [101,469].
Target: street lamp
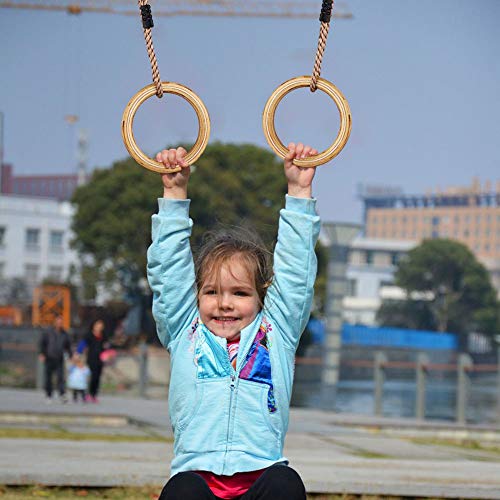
[497,341]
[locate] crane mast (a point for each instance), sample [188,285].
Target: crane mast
[216,8]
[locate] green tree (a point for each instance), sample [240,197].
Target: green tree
[454,289]
[231,185]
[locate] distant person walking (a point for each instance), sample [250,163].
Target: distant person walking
[94,344]
[53,344]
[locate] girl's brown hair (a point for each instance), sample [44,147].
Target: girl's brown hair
[220,246]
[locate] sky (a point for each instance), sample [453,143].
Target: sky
[422,80]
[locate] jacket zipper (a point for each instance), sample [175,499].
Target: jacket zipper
[232,386]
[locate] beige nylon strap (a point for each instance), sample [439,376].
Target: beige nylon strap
[323,35]
[152,57]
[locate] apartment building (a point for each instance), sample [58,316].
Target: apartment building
[468,214]
[35,239]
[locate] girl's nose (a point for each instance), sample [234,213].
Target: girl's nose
[225,301]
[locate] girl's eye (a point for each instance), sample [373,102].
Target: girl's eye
[241,294]
[210,292]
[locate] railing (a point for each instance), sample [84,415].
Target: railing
[464,368]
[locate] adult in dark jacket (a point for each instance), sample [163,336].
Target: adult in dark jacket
[53,344]
[94,344]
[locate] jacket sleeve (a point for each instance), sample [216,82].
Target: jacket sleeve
[171,270]
[289,298]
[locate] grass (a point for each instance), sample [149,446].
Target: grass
[18,492]
[61,433]
[466,444]
[135,493]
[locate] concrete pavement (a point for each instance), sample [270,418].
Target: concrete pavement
[334,453]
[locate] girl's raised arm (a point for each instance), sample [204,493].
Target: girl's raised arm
[170,263]
[290,296]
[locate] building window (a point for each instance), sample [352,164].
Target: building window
[384,283]
[56,273]
[395,258]
[33,239]
[56,241]
[31,274]
[369,257]
[351,288]
[3,230]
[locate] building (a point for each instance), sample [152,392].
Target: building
[370,277]
[60,187]
[470,215]
[35,239]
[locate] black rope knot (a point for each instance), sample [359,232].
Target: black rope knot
[147,17]
[326,11]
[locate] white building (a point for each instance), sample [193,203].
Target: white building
[370,275]
[35,239]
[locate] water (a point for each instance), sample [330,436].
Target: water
[357,396]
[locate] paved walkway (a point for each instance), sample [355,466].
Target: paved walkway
[335,453]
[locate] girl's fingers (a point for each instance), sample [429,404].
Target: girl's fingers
[172,157]
[298,150]
[164,158]
[181,153]
[291,151]
[314,152]
[306,152]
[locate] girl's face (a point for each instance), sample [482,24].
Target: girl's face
[230,305]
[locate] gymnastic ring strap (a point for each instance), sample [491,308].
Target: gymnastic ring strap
[325,16]
[147,24]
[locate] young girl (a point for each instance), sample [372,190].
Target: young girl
[232,328]
[78,378]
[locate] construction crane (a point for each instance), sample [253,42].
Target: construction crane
[230,8]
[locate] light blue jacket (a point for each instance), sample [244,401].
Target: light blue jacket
[228,421]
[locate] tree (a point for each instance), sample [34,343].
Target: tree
[412,314]
[231,184]
[455,292]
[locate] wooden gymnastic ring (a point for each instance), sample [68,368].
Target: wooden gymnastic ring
[345,120]
[128,122]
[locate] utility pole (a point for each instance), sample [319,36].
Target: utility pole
[82,157]
[340,236]
[1,148]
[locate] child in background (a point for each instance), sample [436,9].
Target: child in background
[78,378]
[232,326]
